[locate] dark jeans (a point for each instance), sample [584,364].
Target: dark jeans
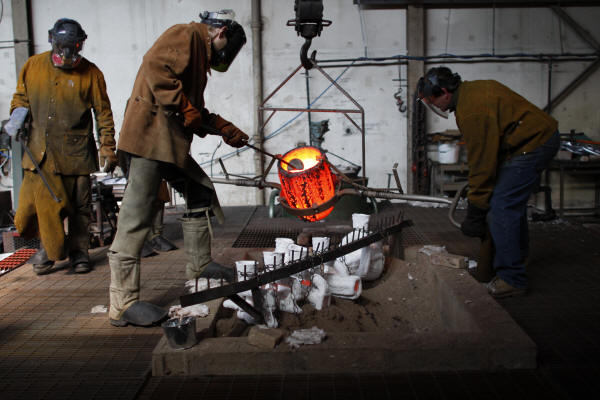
[515,182]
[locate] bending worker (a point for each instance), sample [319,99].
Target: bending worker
[57,91]
[509,143]
[165,110]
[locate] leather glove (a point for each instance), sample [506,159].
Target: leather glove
[192,117]
[232,135]
[15,123]
[108,160]
[474,224]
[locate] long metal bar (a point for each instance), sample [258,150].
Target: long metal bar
[327,110]
[291,268]
[581,31]
[573,85]
[281,85]
[40,173]
[362,113]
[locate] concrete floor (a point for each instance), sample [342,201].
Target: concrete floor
[51,346]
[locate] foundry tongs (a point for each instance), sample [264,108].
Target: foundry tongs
[23,137]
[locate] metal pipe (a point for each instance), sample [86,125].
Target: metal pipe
[256,25]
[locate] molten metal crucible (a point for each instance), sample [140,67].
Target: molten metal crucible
[310,192]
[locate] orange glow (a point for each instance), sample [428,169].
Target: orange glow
[309,187]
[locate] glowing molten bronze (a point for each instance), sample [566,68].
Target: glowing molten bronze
[309,192]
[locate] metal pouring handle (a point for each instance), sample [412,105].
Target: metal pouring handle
[37,168]
[215,131]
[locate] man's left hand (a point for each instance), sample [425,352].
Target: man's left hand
[233,136]
[108,161]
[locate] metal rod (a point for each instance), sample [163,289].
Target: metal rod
[215,131]
[40,173]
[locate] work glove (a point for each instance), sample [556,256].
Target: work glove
[474,224]
[15,123]
[232,135]
[192,117]
[108,160]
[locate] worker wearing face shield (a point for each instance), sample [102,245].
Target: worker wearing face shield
[509,143]
[51,110]
[166,109]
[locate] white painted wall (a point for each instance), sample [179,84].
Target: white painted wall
[120,32]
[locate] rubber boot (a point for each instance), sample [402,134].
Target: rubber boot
[196,242]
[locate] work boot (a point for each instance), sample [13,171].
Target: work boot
[140,313]
[147,250]
[196,242]
[499,289]
[41,263]
[80,261]
[160,243]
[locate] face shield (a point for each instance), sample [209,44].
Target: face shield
[425,89]
[236,38]
[67,38]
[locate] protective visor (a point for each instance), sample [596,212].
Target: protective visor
[66,55]
[236,38]
[433,108]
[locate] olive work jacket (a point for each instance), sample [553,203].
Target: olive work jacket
[60,103]
[496,124]
[178,63]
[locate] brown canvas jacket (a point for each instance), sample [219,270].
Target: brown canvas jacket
[60,103]
[177,63]
[497,124]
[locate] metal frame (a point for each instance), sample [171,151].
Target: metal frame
[359,110]
[386,227]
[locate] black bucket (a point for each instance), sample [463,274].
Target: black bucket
[180,333]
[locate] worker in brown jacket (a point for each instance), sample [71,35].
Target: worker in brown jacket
[165,110]
[509,143]
[58,90]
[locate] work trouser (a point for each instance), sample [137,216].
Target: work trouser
[79,191]
[507,218]
[135,220]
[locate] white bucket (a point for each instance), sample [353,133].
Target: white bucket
[246,269]
[273,259]
[433,152]
[281,244]
[320,243]
[448,153]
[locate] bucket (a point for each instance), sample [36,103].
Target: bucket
[246,269]
[448,153]
[433,152]
[180,333]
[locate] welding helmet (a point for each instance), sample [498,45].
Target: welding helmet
[66,37]
[236,38]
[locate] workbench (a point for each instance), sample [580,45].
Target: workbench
[576,167]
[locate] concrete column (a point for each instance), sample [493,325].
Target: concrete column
[415,45]
[23,50]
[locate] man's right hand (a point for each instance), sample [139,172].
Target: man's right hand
[15,123]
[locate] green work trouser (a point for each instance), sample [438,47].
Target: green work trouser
[135,221]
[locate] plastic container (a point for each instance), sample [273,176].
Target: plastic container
[448,153]
[180,333]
